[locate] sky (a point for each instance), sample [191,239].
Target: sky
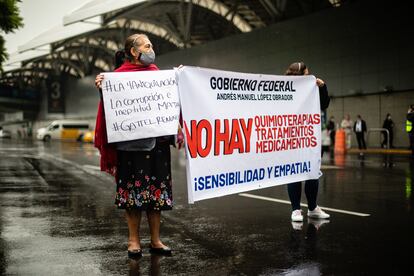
[38,17]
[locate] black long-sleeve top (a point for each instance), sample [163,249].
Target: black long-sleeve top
[324,98]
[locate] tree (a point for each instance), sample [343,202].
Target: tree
[9,21]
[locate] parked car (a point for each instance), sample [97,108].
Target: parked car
[63,129]
[5,133]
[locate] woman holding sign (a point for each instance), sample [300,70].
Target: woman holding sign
[142,168]
[311,185]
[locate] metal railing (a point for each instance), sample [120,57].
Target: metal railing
[379,130]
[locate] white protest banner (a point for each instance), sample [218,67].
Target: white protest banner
[140,104]
[248,131]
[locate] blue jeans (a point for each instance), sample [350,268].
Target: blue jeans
[311,192]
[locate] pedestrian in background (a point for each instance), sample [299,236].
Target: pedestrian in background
[331,126]
[409,127]
[388,125]
[142,168]
[346,125]
[360,127]
[311,185]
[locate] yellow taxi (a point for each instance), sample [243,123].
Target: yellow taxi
[88,137]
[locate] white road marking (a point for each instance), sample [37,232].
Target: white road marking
[304,205]
[92,167]
[330,167]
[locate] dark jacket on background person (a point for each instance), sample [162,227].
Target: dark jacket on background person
[330,126]
[324,99]
[410,117]
[410,130]
[388,124]
[363,127]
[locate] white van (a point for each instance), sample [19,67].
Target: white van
[63,129]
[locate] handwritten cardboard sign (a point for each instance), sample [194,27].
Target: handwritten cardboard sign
[140,104]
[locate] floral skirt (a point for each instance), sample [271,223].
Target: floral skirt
[145,179]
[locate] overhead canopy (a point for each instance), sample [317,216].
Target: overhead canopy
[59,33]
[88,37]
[101,7]
[9,68]
[96,8]
[17,57]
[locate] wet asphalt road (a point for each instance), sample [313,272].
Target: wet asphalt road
[57,218]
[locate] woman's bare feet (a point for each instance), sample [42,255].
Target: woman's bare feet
[133,245]
[158,244]
[160,249]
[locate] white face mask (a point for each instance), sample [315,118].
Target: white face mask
[147,58]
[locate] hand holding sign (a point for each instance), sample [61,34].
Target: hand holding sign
[180,138]
[98,81]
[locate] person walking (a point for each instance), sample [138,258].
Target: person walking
[142,168]
[409,127]
[360,127]
[311,185]
[346,125]
[388,125]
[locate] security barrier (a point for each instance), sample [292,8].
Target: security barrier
[340,143]
[380,130]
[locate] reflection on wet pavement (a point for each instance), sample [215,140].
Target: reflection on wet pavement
[57,217]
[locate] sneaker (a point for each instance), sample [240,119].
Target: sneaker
[297,225]
[318,213]
[317,223]
[297,215]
